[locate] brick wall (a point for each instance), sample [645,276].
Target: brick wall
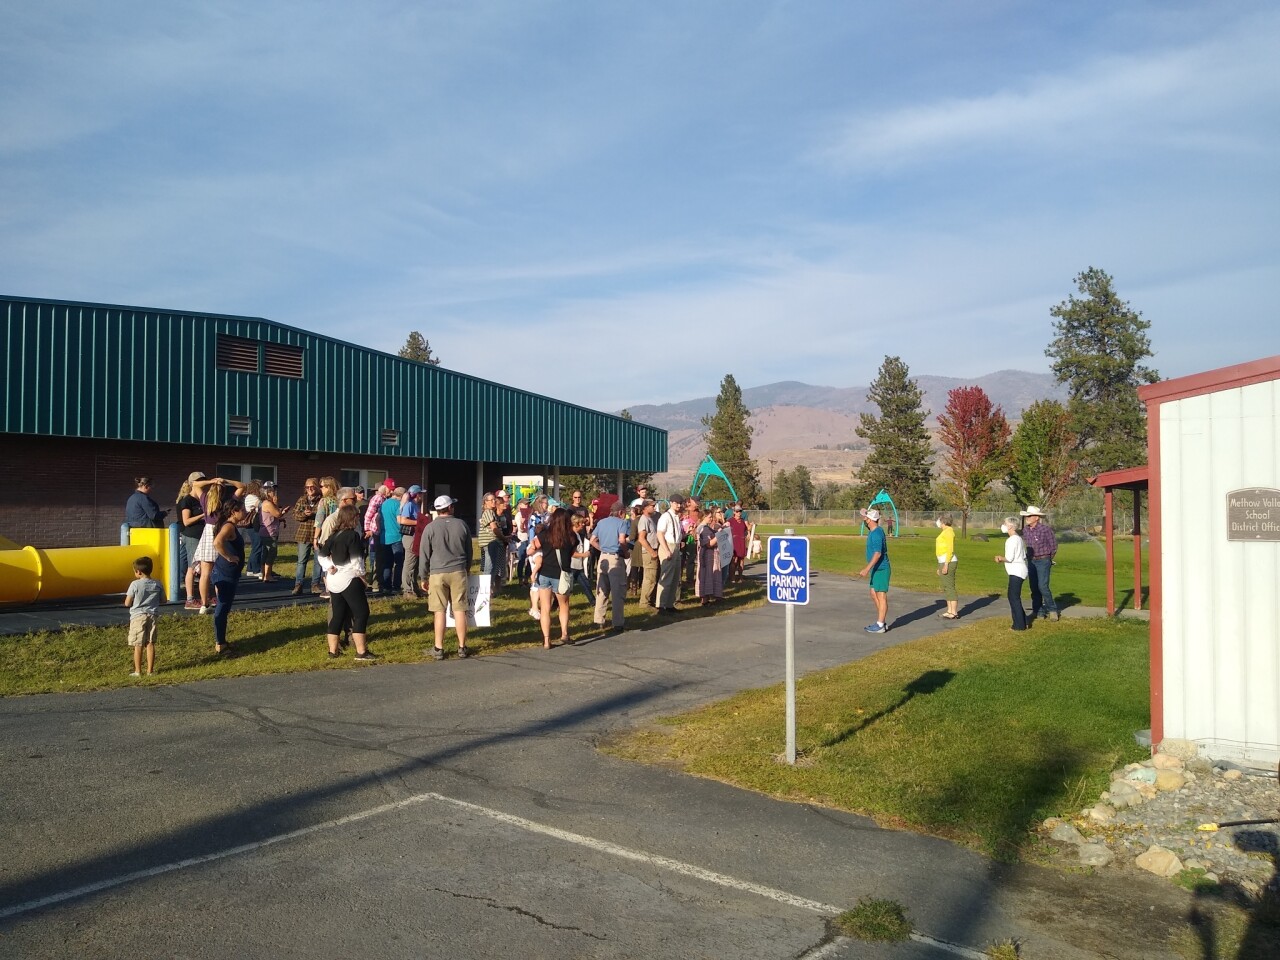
[68,492]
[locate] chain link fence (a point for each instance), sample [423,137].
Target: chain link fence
[980,521]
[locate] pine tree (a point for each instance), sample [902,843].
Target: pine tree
[728,437]
[1043,463]
[1098,352]
[417,347]
[900,445]
[975,435]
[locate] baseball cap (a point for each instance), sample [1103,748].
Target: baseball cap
[196,475]
[415,490]
[871,514]
[444,502]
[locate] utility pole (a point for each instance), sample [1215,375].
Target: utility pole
[772,462]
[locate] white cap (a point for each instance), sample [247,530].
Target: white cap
[444,502]
[871,515]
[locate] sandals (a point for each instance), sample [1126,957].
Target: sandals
[949,616]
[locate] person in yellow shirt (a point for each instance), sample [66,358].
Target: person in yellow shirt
[944,547]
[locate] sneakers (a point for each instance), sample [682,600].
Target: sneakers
[324,596]
[315,588]
[203,609]
[135,674]
[437,653]
[876,628]
[366,657]
[463,653]
[297,589]
[335,656]
[1055,616]
[191,604]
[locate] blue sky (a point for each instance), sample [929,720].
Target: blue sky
[617,204]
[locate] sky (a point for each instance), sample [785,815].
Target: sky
[617,204]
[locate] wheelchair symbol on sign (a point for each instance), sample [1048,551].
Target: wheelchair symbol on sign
[792,565]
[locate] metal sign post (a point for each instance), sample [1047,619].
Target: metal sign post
[788,583]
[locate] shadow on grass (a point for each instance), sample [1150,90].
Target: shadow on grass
[1261,938]
[931,681]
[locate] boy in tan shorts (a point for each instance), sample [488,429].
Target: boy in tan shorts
[143,599]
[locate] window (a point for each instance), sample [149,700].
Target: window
[236,353]
[369,479]
[282,360]
[244,472]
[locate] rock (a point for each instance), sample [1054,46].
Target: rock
[1182,749]
[1200,766]
[1124,794]
[1102,813]
[1066,833]
[1159,861]
[1141,775]
[1167,780]
[1148,791]
[1211,877]
[1050,823]
[1232,775]
[1167,761]
[1196,865]
[1094,854]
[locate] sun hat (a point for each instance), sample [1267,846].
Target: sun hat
[1031,512]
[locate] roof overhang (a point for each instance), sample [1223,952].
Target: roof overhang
[1131,478]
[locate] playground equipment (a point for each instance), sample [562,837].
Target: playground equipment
[879,500]
[706,470]
[30,574]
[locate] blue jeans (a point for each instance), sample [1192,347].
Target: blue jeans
[226,592]
[255,550]
[1015,603]
[307,552]
[1042,602]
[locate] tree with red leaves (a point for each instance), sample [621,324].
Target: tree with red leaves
[975,435]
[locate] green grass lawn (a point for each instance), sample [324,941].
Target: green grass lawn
[1079,575]
[976,734]
[288,640]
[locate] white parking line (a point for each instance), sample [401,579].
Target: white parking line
[601,846]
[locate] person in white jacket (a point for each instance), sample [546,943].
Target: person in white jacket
[670,538]
[1015,565]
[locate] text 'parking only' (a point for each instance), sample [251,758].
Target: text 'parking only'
[789,570]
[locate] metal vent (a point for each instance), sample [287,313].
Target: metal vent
[236,353]
[391,438]
[240,427]
[282,360]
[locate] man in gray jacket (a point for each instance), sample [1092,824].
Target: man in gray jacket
[445,557]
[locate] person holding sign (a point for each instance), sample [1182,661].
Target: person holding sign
[877,569]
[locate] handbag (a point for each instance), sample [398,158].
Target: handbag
[566,582]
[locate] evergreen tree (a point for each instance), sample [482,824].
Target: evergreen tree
[728,437]
[1097,352]
[417,347]
[900,445]
[1043,463]
[975,435]
[792,491]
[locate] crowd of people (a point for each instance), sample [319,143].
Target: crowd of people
[392,544]
[351,546]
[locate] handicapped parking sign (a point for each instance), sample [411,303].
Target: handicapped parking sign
[788,570]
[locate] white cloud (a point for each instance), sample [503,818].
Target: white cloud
[1192,98]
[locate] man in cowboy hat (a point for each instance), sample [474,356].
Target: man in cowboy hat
[1042,547]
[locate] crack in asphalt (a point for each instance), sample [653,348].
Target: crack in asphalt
[520,911]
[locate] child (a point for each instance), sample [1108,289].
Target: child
[143,600]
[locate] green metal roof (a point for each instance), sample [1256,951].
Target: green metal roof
[130,373]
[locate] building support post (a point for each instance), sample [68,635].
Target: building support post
[1111,554]
[1137,549]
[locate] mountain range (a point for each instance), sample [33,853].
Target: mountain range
[800,423]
